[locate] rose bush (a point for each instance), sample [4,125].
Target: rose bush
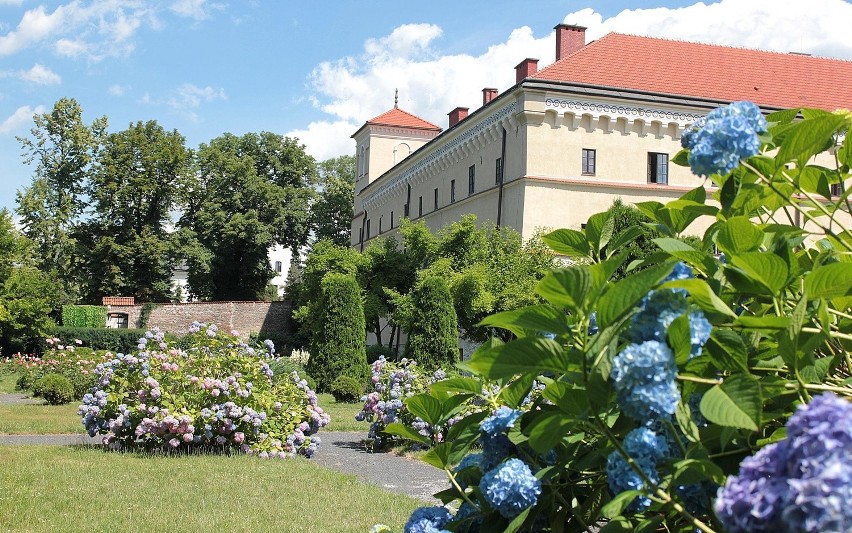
[215,391]
[75,362]
[701,392]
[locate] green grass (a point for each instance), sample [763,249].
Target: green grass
[7,382]
[52,488]
[27,419]
[342,415]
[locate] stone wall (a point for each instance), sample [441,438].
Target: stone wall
[266,318]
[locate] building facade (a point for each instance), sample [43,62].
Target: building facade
[602,122]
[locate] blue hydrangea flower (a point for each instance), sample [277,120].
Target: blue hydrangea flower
[699,332]
[427,520]
[502,419]
[658,309]
[510,488]
[726,136]
[496,446]
[644,379]
[681,271]
[647,449]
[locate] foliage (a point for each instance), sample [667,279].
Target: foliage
[375,351]
[84,316]
[218,392]
[27,298]
[384,270]
[75,363]
[283,367]
[56,389]
[331,214]
[339,347]
[658,385]
[346,389]
[123,340]
[249,193]
[627,220]
[63,149]
[433,337]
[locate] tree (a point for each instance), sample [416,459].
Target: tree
[139,179]
[63,149]
[339,348]
[249,193]
[332,212]
[433,338]
[27,295]
[624,217]
[383,271]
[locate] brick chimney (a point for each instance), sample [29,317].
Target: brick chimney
[569,39]
[457,115]
[525,69]
[488,94]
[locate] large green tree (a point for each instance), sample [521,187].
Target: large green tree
[248,193]
[127,247]
[332,211]
[63,149]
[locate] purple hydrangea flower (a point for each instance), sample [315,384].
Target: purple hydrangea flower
[644,379]
[510,488]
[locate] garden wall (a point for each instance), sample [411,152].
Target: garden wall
[265,318]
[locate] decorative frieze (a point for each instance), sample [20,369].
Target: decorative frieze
[682,118]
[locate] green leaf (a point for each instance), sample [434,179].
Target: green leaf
[568,242]
[804,139]
[571,399]
[439,456]
[829,281]
[426,407]
[517,390]
[623,239]
[566,286]
[599,230]
[702,295]
[624,294]
[464,385]
[738,234]
[681,158]
[680,250]
[541,318]
[546,429]
[395,428]
[689,471]
[679,338]
[735,403]
[683,415]
[728,350]
[619,503]
[765,269]
[768,322]
[518,521]
[528,355]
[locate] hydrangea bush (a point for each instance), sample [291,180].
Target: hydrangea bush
[215,391]
[701,392]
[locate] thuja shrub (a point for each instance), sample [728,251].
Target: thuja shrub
[339,347]
[84,316]
[433,340]
[216,392]
[56,389]
[698,393]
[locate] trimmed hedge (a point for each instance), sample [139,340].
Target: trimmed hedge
[84,316]
[114,340]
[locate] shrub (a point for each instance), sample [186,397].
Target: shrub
[282,367]
[375,351]
[84,316]
[120,340]
[433,340]
[346,389]
[219,393]
[56,389]
[339,348]
[74,362]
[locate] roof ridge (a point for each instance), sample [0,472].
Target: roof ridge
[404,112]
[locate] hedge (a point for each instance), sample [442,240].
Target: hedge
[84,316]
[116,340]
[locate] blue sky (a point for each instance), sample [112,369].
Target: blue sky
[318,70]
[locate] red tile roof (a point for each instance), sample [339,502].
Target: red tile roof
[707,71]
[398,117]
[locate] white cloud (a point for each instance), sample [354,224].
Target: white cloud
[190,8]
[35,25]
[190,96]
[22,116]
[118,90]
[71,48]
[40,75]
[11,2]
[324,139]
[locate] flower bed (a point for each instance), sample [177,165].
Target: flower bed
[216,391]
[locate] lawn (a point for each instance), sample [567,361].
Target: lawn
[7,382]
[54,488]
[343,415]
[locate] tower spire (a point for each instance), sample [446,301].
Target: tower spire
[396,98]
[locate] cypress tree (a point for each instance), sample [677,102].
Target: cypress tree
[433,339]
[338,347]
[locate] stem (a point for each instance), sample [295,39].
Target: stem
[815,386]
[836,334]
[696,379]
[452,476]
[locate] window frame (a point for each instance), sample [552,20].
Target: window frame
[436,199]
[498,171]
[588,165]
[471,180]
[658,168]
[452,191]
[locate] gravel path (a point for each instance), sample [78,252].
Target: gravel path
[18,398]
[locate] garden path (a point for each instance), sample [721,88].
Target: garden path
[341,451]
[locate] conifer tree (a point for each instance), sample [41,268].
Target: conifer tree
[433,339]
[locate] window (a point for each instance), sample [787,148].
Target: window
[588,162]
[658,168]
[498,171]
[471,179]
[436,199]
[360,235]
[380,225]
[836,189]
[368,229]
[391,220]
[278,266]
[452,191]
[420,207]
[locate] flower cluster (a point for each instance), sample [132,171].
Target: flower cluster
[802,483]
[510,488]
[723,138]
[496,445]
[646,448]
[428,520]
[217,392]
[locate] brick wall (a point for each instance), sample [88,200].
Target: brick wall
[265,318]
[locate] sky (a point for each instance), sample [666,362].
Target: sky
[318,70]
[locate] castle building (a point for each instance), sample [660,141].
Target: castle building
[603,121]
